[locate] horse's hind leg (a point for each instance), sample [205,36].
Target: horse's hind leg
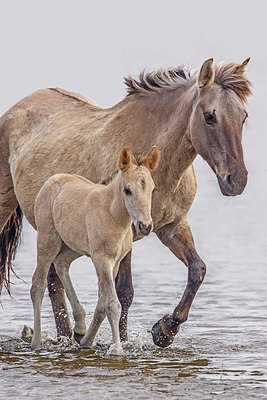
[62,265]
[10,225]
[8,202]
[125,293]
[57,296]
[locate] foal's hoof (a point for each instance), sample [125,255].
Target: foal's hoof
[36,345]
[115,350]
[77,337]
[159,338]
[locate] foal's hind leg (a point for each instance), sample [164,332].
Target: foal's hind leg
[47,249]
[62,265]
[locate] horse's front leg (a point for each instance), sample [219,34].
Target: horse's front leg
[57,296]
[178,238]
[125,292]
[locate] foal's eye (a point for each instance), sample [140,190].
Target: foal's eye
[153,191]
[209,118]
[246,115]
[127,191]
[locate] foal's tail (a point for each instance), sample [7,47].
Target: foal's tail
[9,241]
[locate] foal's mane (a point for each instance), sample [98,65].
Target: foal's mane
[226,74]
[138,159]
[106,181]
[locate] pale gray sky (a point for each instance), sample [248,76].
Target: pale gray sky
[89,46]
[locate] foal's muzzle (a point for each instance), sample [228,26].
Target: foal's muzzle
[142,229]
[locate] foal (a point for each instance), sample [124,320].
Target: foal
[76,217]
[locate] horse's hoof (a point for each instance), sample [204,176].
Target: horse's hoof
[159,338]
[77,337]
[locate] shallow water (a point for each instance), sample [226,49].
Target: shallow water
[220,353]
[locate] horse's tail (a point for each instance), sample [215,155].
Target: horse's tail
[9,241]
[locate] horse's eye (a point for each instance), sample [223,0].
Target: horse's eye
[153,191]
[127,191]
[209,118]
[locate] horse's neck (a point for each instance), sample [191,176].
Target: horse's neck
[118,209]
[163,120]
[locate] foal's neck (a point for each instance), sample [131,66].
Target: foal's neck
[118,209]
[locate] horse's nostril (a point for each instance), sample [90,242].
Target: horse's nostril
[229,181]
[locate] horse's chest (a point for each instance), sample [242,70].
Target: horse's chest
[166,211]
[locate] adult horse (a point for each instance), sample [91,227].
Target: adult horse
[181,111]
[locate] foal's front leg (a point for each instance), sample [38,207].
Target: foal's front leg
[178,238]
[108,304]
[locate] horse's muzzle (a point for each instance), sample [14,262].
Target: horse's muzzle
[233,184]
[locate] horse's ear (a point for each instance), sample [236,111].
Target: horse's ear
[240,69]
[151,161]
[206,75]
[125,161]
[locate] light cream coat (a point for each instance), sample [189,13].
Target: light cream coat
[76,217]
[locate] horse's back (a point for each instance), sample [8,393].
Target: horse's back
[26,117]
[33,138]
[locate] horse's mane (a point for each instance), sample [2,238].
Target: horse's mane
[226,74]
[162,79]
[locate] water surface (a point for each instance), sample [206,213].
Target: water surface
[220,353]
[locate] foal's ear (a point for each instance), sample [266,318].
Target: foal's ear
[206,75]
[125,161]
[240,69]
[151,161]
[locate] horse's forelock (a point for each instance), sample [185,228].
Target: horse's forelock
[229,77]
